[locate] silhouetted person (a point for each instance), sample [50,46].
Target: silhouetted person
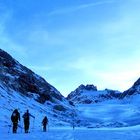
[26,118]
[14,118]
[44,123]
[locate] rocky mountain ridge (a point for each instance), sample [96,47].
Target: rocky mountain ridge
[89,94]
[21,79]
[134,90]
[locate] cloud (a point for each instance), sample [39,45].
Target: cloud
[120,75]
[79,7]
[7,43]
[121,80]
[14,49]
[105,54]
[42,38]
[37,35]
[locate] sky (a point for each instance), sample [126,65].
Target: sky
[74,42]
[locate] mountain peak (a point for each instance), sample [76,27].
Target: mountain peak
[88,87]
[6,59]
[89,94]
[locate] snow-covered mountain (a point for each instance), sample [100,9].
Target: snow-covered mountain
[134,90]
[107,108]
[23,80]
[89,94]
[23,89]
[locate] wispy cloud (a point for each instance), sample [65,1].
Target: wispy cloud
[103,50]
[79,7]
[11,47]
[119,75]
[7,43]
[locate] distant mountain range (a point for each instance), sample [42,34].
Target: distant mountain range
[89,94]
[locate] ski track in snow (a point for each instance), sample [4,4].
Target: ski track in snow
[78,134]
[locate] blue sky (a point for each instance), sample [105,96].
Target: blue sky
[73,42]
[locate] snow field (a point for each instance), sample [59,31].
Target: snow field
[131,133]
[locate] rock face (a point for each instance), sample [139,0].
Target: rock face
[80,89]
[23,80]
[89,94]
[135,89]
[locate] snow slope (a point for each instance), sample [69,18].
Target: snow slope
[9,100]
[23,89]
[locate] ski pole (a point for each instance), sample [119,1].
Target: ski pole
[33,123]
[48,127]
[21,126]
[9,127]
[41,128]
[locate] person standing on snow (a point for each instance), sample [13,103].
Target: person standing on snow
[26,118]
[44,123]
[14,118]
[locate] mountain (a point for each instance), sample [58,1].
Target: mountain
[23,80]
[89,94]
[106,108]
[134,90]
[23,89]
[86,106]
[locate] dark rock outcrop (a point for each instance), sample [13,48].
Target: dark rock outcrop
[21,79]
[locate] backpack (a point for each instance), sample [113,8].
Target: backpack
[45,121]
[14,116]
[26,116]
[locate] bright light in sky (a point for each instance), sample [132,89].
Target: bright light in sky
[73,42]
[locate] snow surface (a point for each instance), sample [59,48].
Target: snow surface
[100,120]
[112,113]
[130,133]
[10,100]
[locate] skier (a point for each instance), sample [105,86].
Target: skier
[26,118]
[44,123]
[14,118]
